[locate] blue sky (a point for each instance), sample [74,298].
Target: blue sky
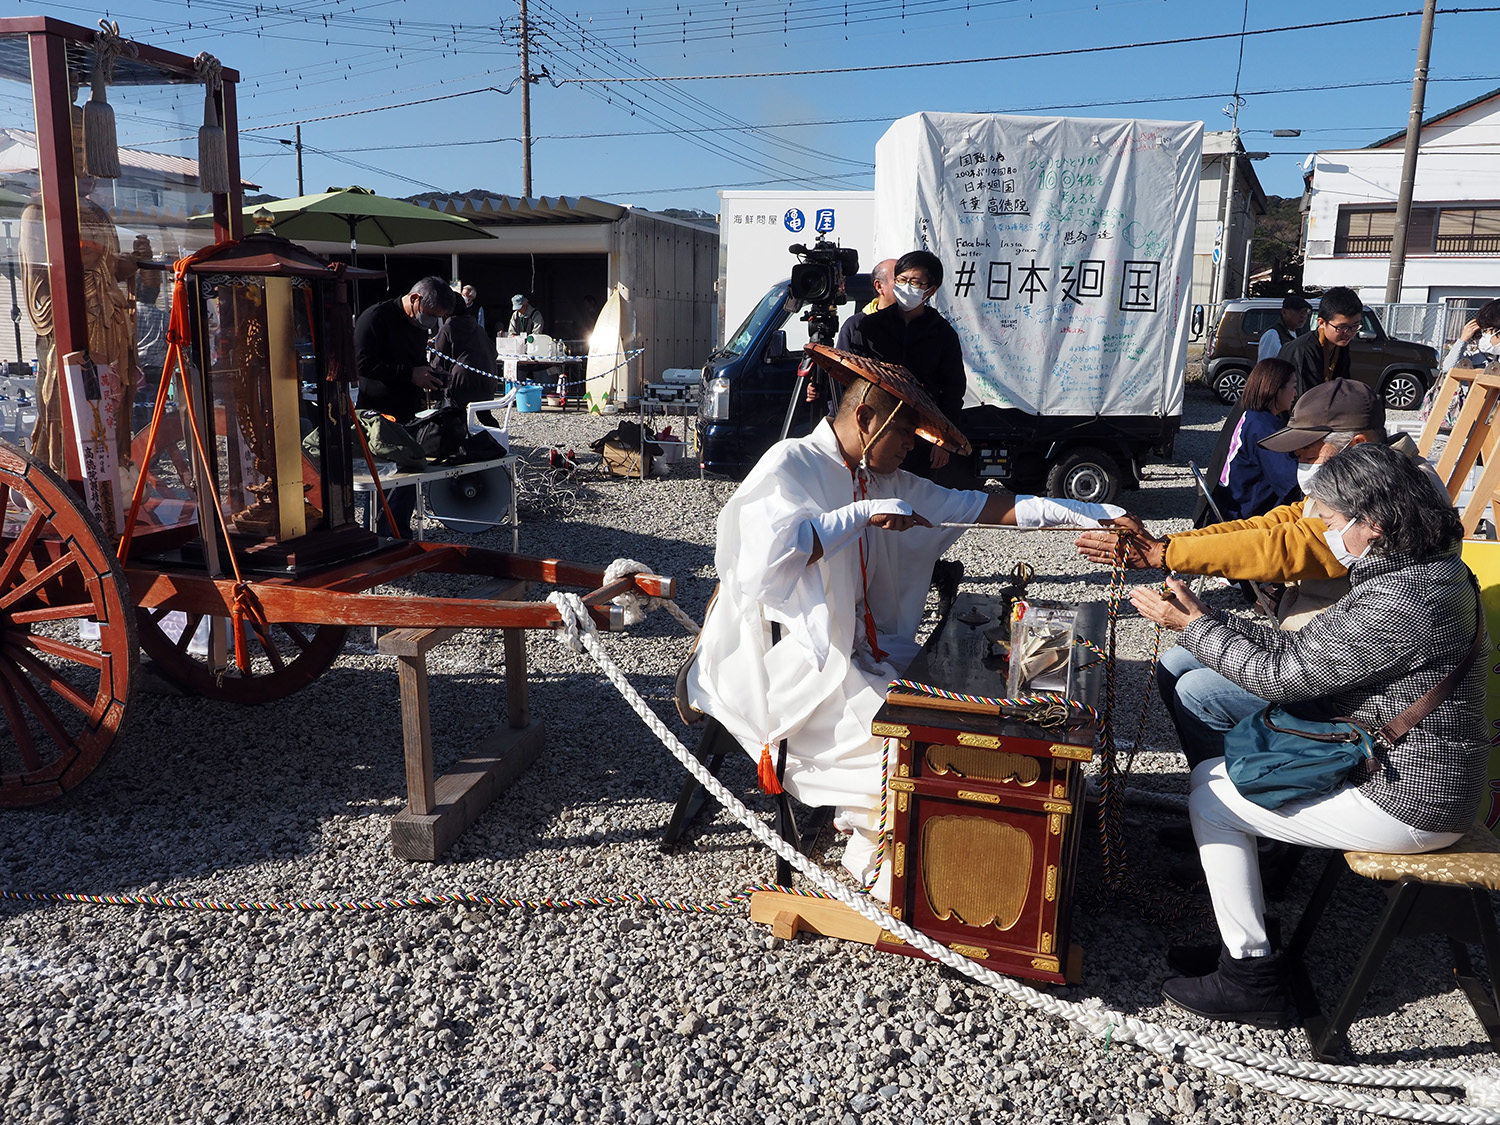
[675,144]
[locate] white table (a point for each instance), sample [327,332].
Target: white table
[363,482]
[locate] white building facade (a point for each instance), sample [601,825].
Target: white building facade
[1453,238]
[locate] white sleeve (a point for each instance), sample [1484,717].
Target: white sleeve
[1270,345]
[1455,353]
[842,526]
[1043,511]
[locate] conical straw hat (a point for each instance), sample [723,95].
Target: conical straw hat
[932,424]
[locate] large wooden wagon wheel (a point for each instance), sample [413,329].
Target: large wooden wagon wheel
[284,657]
[63,694]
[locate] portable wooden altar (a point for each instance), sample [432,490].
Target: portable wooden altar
[985,811]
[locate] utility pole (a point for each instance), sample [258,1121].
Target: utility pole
[297,145]
[1409,158]
[1226,222]
[526,106]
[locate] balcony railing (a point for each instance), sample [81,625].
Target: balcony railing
[1366,244]
[1469,244]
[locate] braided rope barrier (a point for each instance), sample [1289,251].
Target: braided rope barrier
[1078,714]
[331,906]
[1303,1079]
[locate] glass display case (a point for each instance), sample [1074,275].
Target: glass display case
[101,174]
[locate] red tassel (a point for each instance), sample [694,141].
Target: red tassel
[768,780]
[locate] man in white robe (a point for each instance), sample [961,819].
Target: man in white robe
[831,541]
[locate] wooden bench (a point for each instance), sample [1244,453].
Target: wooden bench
[1445,892]
[438,809]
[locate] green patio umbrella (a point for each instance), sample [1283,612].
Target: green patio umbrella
[361,216]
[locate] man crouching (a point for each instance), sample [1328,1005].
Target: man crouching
[823,557]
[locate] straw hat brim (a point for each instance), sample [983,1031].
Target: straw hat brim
[932,424]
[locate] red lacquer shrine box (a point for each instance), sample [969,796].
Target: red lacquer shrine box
[986,811]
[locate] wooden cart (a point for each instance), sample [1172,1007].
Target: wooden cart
[240,566]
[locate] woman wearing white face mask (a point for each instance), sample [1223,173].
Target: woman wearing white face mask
[912,334]
[1408,621]
[1478,345]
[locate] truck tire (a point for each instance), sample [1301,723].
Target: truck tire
[1229,384]
[1403,390]
[1085,473]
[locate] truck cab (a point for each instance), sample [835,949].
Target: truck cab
[747,384]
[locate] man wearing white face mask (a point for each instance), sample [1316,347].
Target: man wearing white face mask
[912,334]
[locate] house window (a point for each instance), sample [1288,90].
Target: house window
[1365,230]
[1469,230]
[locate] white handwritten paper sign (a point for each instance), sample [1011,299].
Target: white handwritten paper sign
[1067,248]
[94,396]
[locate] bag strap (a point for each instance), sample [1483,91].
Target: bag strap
[1396,729]
[1360,733]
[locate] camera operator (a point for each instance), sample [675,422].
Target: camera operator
[880,278]
[912,334]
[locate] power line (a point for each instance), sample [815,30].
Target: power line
[1155,99]
[1219,36]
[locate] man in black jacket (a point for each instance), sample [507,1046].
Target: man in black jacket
[390,348]
[1323,355]
[464,358]
[911,333]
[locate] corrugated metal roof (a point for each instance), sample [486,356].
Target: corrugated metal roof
[506,210]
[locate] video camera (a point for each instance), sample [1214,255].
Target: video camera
[818,281]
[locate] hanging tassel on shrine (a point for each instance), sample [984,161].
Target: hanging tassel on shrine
[213,149]
[101,147]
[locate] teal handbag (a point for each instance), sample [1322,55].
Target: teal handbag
[1275,758]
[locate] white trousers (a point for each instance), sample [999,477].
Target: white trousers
[1226,825]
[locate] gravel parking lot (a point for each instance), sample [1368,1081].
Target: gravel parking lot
[622,1014]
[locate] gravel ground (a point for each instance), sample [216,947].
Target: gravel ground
[634,1014]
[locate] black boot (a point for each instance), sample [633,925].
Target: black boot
[1200,960]
[1250,990]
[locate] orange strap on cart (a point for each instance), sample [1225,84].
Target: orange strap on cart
[245,606]
[179,334]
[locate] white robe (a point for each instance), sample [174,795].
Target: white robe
[820,685]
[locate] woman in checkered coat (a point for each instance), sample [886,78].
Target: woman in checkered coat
[1408,620]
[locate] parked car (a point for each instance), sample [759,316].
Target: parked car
[1401,370]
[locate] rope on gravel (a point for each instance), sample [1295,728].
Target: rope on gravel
[1302,1079]
[333,906]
